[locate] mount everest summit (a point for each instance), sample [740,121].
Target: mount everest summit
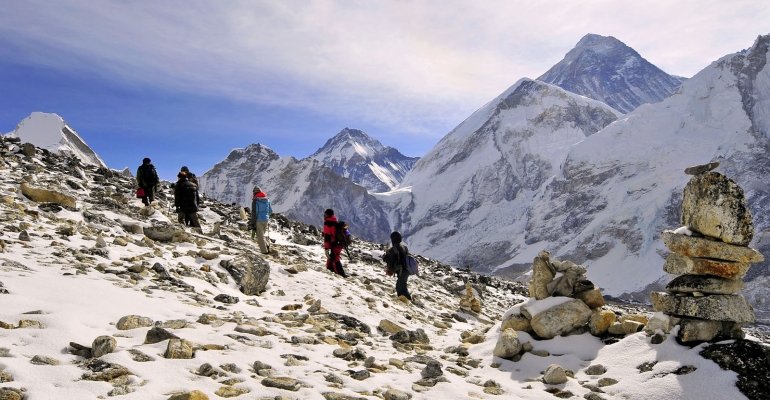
[604,68]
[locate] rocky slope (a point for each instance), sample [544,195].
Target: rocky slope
[604,68]
[355,155]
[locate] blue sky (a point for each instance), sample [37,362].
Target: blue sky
[185,82]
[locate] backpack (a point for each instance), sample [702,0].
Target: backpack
[342,235]
[149,174]
[411,265]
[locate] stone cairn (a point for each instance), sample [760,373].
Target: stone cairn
[562,302]
[710,254]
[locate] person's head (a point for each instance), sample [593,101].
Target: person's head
[181,176]
[255,190]
[328,213]
[185,169]
[261,195]
[146,160]
[395,237]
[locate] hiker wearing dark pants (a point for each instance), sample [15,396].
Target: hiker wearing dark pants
[185,200]
[147,179]
[332,247]
[395,258]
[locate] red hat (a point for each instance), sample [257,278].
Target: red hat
[261,194]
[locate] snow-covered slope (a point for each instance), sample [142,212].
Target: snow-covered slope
[466,201]
[50,132]
[605,69]
[354,154]
[301,190]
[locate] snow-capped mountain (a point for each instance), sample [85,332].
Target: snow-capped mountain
[50,132]
[301,190]
[354,154]
[605,69]
[466,201]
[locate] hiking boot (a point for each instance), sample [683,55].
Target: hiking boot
[404,299]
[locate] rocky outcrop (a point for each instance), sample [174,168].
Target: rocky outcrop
[712,255]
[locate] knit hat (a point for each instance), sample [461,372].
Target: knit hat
[261,194]
[395,237]
[145,160]
[329,212]
[256,190]
[185,169]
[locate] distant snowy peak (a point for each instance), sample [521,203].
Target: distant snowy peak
[355,155]
[605,69]
[50,132]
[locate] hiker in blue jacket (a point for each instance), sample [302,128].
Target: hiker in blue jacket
[260,215]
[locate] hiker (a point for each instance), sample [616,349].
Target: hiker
[395,258]
[185,200]
[332,246]
[260,215]
[194,179]
[147,179]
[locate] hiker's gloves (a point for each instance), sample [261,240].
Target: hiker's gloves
[328,253]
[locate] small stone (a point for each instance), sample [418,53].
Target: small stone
[596,369]
[432,369]
[699,169]
[606,382]
[282,383]
[129,322]
[103,345]
[44,360]
[554,375]
[193,395]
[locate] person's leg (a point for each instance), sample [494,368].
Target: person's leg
[336,252]
[401,288]
[150,192]
[180,217]
[261,228]
[194,222]
[145,198]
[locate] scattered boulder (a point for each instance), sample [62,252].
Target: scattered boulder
[508,345]
[129,322]
[554,375]
[250,271]
[41,195]
[103,345]
[561,319]
[179,349]
[163,231]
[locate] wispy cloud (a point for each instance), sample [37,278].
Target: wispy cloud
[407,65]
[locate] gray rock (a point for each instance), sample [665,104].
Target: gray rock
[432,370]
[561,319]
[226,298]
[508,345]
[701,247]
[678,264]
[658,338]
[282,383]
[179,349]
[132,322]
[715,206]
[603,382]
[44,360]
[42,195]
[704,284]
[157,335]
[163,231]
[596,369]
[733,308]
[24,236]
[418,336]
[103,345]
[699,169]
[700,330]
[542,274]
[517,322]
[360,375]
[250,271]
[393,394]
[554,375]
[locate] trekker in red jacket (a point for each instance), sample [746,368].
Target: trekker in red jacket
[332,247]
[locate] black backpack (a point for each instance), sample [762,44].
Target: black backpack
[342,235]
[149,174]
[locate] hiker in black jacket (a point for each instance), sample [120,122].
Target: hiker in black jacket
[147,179]
[186,200]
[395,258]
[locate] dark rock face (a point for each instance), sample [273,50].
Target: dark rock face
[605,69]
[751,360]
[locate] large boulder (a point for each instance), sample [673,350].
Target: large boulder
[678,264]
[701,247]
[733,308]
[715,206]
[561,319]
[250,271]
[600,321]
[163,231]
[41,195]
[517,322]
[701,330]
[704,284]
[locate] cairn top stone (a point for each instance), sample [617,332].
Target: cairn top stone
[699,169]
[715,206]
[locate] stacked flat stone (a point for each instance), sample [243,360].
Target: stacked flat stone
[711,256]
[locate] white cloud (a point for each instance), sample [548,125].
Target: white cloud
[408,65]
